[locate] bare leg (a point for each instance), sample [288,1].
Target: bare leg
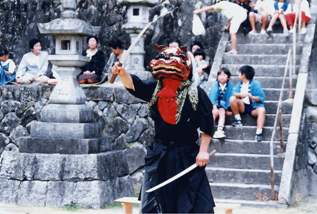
[259,113]
[283,22]
[237,106]
[222,118]
[233,41]
[264,22]
[272,22]
[215,114]
[252,20]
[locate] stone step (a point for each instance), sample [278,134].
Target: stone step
[245,146]
[245,176]
[265,39]
[263,49]
[269,120]
[60,146]
[61,113]
[63,167]
[274,94]
[57,131]
[245,161]
[248,133]
[277,59]
[260,70]
[271,107]
[269,82]
[241,191]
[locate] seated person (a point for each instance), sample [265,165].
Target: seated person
[33,66]
[305,15]
[92,71]
[248,98]
[219,95]
[118,54]
[7,67]
[263,10]
[201,64]
[246,4]
[281,8]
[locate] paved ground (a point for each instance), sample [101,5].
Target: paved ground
[309,206]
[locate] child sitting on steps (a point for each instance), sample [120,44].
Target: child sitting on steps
[220,93]
[248,98]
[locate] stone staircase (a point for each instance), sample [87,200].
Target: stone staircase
[240,171]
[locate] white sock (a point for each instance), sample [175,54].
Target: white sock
[258,131]
[237,117]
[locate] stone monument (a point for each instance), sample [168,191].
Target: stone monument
[65,160]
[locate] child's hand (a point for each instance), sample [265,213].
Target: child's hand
[243,95]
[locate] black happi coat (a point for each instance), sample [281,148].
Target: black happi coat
[174,150]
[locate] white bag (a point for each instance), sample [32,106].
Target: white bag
[198,26]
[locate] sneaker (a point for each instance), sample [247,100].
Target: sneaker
[237,123]
[303,31]
[263,32]
[259,137]
[219,134]
[269,32]
[285,32]
[253,32]
[233,52]
[291,30]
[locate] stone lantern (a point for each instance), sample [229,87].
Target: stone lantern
[137,18]
[69,33]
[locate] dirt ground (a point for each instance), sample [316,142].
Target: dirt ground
[308,206]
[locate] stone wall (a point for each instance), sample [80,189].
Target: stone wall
[19,24]
[311,121]
[124,118]
[126,123]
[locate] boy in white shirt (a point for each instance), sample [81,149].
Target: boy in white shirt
[235,14]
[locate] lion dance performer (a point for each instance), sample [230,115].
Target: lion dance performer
[182,115]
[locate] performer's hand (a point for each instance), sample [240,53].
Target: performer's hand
[117,69]
[197,11]
[202,159]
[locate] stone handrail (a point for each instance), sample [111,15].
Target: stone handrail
[285,196]
[216,65]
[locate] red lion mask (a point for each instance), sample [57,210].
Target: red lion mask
[171,69]
[171,63]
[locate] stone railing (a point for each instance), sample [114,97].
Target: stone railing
[288,172]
